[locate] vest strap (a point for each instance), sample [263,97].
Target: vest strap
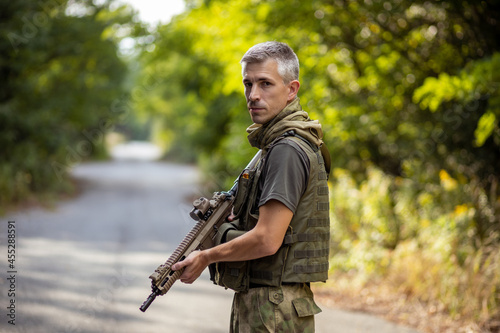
[323,206]
[300,254]
[315,268]
[261,275]
[298,269]
[325,154]
[323,190]
[327,159]
[294,238]
[324,222]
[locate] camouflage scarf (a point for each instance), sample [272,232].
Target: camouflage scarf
[292,117]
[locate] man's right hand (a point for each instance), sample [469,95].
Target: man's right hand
[194,264]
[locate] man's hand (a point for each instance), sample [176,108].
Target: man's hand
[193,265]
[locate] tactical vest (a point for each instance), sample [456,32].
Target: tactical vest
[303,256]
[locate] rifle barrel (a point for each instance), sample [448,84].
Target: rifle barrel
[148,302]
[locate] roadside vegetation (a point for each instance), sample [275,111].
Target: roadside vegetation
[407,92]
[63,88]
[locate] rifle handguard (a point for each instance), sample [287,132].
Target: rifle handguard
[210,214]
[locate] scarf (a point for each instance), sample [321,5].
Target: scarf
[292,117]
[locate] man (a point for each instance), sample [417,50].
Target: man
[278,240]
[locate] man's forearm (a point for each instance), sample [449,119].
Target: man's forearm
[263,240]
[245,247]
[248,246]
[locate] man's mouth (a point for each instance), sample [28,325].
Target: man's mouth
[253,108]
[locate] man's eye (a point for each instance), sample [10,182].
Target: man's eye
[247,84]
[266,84]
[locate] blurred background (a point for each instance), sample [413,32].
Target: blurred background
[407,92]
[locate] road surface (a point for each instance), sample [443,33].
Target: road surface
[83,266]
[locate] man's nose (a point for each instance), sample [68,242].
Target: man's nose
[254,94]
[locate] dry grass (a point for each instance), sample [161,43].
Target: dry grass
[384,302]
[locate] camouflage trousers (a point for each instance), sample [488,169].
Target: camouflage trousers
[288,309]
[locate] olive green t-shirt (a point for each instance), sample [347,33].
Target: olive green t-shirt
[284,175]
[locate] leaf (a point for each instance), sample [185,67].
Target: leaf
[485,127]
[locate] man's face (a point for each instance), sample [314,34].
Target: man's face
[265,92]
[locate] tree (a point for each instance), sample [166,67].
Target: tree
[62,80]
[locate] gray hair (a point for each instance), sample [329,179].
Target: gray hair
[288,63]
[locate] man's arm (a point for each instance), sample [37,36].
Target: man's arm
[263,240]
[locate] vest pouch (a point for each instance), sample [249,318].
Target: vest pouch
[232,275]
[241,197]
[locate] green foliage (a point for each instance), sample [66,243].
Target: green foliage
[478,80]
[62,76]
[407,92]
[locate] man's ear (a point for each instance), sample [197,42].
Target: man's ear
[293,89]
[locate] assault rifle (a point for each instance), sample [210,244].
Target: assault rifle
[209,214]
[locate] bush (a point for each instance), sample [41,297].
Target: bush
[420,239]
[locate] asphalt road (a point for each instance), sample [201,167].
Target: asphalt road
[83,266]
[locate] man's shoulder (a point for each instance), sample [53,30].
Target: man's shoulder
[289,153]
[290,146]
